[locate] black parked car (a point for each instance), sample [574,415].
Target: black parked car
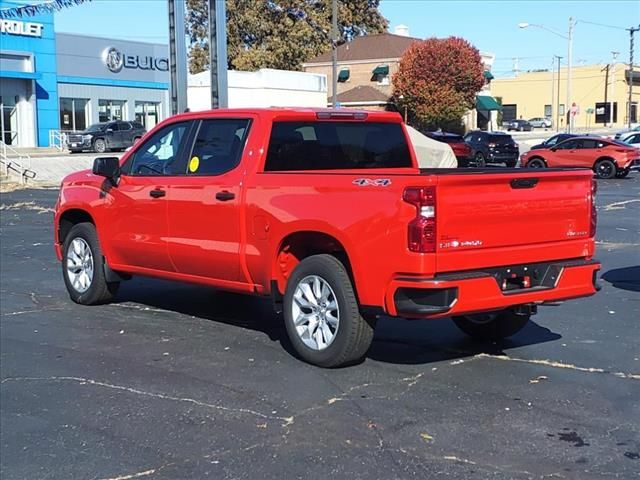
[551,141]
[518,125]
[492,147]
[101,137]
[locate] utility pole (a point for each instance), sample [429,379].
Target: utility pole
[632,30]
[177,57]
[558,109]
[606,85]
[613,89]
[569,105]
[218,54]
[334,53]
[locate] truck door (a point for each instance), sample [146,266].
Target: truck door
[137,210]
[204,204]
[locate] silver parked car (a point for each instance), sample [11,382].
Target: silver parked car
[540,122]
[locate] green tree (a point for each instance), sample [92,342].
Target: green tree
[278,33]
[437,81]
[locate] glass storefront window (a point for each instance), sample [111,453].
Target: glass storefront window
[147,113]
[73,113]
[110,110]
[9,121]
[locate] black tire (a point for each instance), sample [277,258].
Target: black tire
[511,163]
[605,168]
[99,291]
[100,146]
[353,335]
[74,151]
[536,162]
[623,173]
[491,325]
[480,160]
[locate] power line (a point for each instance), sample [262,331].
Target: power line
[601,25]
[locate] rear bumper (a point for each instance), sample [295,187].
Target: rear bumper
[478,291]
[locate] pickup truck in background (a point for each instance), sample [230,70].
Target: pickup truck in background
[327,212]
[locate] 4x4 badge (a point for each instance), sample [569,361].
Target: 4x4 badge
[376,182]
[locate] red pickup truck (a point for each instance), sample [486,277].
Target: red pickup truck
[327,212]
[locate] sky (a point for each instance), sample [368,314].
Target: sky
[492,26]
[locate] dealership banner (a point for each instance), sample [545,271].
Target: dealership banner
[30,10]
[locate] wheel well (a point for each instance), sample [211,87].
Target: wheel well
[69,219]
[605,158]
[297,246]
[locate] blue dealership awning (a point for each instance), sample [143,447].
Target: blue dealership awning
[25,75]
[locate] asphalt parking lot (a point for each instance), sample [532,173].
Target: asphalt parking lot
[181,382]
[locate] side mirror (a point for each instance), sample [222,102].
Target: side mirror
[108,167]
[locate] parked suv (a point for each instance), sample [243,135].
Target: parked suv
[607,158]
[540,122]
[518,125]
[101,137]
[493,147]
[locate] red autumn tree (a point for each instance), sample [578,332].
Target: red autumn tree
[437,81]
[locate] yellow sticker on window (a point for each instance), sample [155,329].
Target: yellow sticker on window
[194,164]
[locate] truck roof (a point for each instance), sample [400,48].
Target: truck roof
[298,113]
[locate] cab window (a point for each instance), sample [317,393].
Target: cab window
[218,146]
[157,154]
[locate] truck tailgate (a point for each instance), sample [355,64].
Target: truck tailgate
[488,219]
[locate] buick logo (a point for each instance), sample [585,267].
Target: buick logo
[113,59]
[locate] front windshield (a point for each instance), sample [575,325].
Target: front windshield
[96,127]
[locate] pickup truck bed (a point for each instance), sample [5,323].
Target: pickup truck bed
[326,212]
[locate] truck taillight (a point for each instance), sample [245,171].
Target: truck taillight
[421,236]
[594,212]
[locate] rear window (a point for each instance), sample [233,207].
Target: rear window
[500,139]
[336,146]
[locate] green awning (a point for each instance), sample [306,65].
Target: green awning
[485,102]
[381,70]
[343,76]
[488,75]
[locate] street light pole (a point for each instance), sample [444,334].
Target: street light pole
[569,59]
[553,89]
[334,53]
[613,88]
[558,104]
[569,38]
[632,30]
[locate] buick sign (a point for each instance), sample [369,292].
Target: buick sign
[115,61]
[112,58]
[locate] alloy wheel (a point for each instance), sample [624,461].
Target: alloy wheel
[80,265]
[315,312]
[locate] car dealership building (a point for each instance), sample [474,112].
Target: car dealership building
[52,83]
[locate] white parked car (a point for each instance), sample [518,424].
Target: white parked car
[540,122]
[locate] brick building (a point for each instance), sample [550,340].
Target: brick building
[367,64]
[365,68]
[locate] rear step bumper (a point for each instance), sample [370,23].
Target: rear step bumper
[490,289]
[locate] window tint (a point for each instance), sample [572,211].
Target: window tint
[336,146]
[137,125]
[122,126]
[586,144]
[155,156]
[633,139]
[500,139]
[218,146]
[568,145]
[552,141]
